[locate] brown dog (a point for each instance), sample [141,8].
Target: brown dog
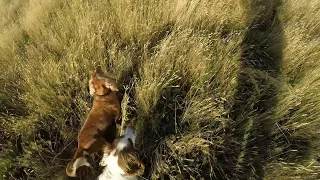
[100,127]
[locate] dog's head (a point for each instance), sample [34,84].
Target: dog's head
[101,84]
[128,156]
[124,157]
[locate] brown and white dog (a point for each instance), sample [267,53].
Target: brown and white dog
[122,159]
[100,127]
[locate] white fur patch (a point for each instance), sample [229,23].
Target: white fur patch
[81,161]
[129,133]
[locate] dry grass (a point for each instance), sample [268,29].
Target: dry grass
[216,89]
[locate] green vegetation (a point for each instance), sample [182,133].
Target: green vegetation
[224,89]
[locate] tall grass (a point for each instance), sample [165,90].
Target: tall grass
[216,89]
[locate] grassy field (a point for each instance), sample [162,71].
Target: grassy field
[223,89]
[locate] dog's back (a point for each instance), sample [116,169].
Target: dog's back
[100,128]
[100,123]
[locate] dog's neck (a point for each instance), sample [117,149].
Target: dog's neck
[101,98]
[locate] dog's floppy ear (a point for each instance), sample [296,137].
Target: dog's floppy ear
[91,88]
[93,78]
[130,163]
[111,84]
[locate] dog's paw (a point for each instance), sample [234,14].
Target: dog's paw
[87,164]
[103,163]
[71,173]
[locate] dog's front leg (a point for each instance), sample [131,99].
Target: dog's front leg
[106,152]
[78,160]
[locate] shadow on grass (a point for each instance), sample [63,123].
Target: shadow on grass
[249,135]
[169,107]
